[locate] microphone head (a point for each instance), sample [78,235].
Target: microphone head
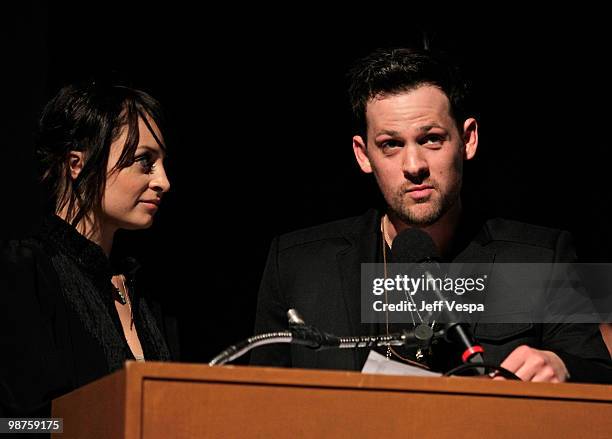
[413,246]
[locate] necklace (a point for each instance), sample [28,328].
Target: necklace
[124,298]
[420,354]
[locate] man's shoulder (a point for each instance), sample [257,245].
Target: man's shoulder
[517,232]
[339,230]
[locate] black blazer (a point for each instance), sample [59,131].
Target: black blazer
[317,272]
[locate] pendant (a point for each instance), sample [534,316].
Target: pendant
[122,299]
[420,356]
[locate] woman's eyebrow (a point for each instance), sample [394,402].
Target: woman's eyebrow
[153,149]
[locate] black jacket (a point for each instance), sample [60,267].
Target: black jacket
[317,272]
[59,328]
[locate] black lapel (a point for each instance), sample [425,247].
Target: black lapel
[477,252]
[363,239]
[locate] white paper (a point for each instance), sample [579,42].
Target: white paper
[379,364]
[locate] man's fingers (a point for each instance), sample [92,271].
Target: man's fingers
[516,359]
[527,371]
[545,375]
[535,365]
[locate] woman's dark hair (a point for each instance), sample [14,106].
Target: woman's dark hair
[392,71]
[89,118]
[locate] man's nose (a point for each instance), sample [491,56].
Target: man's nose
[414,163]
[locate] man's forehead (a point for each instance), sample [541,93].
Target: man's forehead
[424,128]
[423,110]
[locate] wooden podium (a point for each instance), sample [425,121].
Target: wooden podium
[171,400]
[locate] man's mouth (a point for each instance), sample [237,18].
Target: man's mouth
[420,191]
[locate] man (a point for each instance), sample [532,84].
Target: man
[414,135]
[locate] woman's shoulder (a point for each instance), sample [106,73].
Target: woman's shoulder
[32,250]
[25,264]
[20,252]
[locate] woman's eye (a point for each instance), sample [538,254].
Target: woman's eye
[146,162]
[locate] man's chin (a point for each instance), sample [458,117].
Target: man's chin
[420,216]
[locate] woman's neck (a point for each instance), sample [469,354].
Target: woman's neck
[94,231]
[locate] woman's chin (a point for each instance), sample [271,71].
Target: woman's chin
[140,224]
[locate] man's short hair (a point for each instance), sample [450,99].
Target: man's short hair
[393,71]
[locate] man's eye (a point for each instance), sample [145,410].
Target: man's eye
[433,139]
[391,144]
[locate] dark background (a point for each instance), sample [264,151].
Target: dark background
[260,133]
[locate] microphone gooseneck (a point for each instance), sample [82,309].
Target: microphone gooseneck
[414,246]
[311,337]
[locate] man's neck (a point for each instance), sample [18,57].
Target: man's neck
[442,231]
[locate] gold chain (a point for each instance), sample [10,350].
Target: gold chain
[390,350]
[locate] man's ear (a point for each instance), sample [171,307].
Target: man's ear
[76,160]
[470,138]
[359,148]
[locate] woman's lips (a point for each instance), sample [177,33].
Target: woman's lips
[150,204]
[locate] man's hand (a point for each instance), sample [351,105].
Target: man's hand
[535,365]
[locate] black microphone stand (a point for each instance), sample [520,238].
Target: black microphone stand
[309,336]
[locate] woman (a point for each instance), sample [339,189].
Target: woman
[67,315]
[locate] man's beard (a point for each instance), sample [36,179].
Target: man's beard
[426,212]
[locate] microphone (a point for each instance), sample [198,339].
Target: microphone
[316,339]
[414,246]
[309,336]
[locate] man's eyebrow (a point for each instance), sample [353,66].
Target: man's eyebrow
[423,129]
[426,128]
[391,133]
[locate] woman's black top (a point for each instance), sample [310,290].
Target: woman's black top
[59,328]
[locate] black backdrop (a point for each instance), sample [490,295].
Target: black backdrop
[260,132]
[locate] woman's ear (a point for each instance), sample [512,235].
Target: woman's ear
[76,160]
